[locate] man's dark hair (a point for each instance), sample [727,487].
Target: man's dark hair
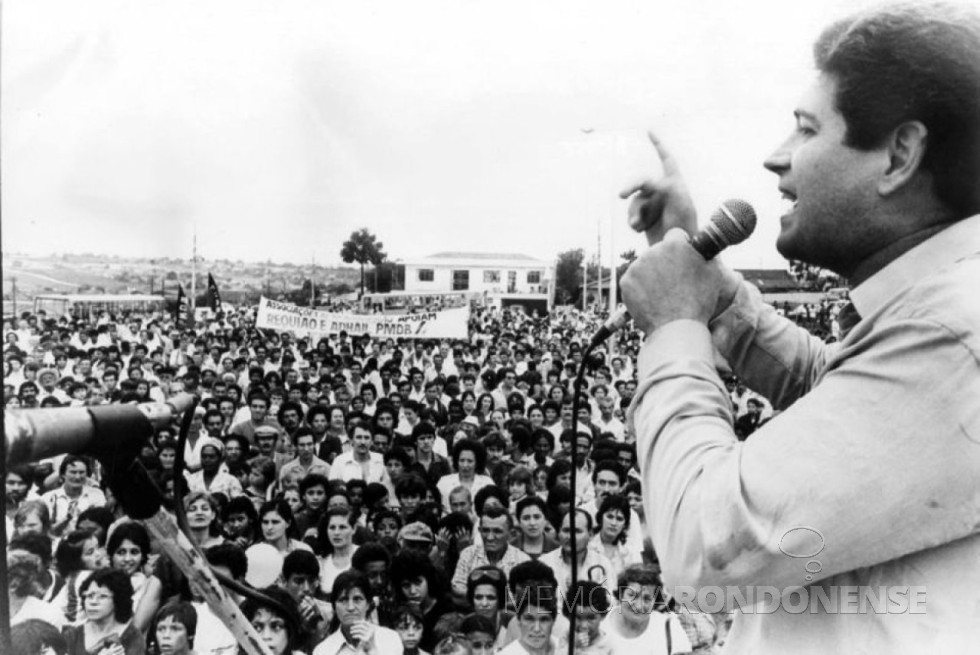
[913,62]
[300,562]
[609,465]
[491,490]
[410,485]
[230,555]
[587,595]
[372,551]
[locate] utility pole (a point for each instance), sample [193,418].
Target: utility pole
[13,294]
[194,275]
[585,281]
[313,282]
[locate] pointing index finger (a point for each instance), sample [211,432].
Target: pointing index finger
[667,159]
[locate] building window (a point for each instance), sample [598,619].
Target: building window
[461,280]
[534,277]
[491,277]
[426,275]
[511,281]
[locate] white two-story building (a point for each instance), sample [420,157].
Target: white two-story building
[501,280]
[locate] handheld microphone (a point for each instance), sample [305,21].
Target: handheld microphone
[733,222]
[34,434]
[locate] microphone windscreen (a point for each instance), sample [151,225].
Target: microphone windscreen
[735,220]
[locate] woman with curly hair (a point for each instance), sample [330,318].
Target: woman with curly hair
[107,597]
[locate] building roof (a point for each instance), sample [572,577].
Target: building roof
[479,260]
[768,280]
[481,255]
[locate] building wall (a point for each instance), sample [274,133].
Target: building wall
[442,278]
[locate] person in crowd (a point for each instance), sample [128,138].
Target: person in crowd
[78,555]
[533,537]
[173,629]
[592,565]
[24,590]
[277,624]
[74,496]
[407,621]
[417,582]
[469,460]
[128,547]
[335,545]
[240,522]
[880,167]
[107,598]
[486,593]
[359,463]
[536,611]
[278,528]
[213,476]
[613,523]
[300,577]
[351,599]
[494,549]
[36,637]
[637,619]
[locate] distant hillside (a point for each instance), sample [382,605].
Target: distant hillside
[238,280]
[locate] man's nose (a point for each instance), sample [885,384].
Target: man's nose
[778,161]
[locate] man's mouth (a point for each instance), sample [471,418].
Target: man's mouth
[790,198]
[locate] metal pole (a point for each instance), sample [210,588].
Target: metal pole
[193,303]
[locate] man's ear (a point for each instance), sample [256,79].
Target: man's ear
[906,149]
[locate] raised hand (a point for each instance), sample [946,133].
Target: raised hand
[662,204]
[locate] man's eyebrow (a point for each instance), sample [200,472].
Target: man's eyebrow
[800,113]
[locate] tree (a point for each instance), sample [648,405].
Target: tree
[363,248]
[568,276]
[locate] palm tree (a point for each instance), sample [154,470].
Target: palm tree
[363,247]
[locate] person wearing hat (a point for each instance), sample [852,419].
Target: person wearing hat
[213,476]
[416,536]
[47,380]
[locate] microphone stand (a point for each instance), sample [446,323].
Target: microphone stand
[576,404]
[121,431]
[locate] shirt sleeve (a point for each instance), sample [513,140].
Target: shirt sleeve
[775,357]
[849,472]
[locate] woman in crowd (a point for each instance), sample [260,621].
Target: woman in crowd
[635,621]
[484,405]
[108,606]
[77,556]
[129,548]
[335,541]
[201,511]
[535,534]
[486,591]
[416,581]
[469,460]
[278,625]
[352,604]
[276,523]
[613,521]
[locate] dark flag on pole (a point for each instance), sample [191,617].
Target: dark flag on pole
[214,297]
[183,305]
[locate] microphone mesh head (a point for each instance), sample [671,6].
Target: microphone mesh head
[735,221]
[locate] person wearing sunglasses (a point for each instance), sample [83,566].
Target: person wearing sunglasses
[486,591]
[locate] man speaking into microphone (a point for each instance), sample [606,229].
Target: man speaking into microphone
[859,504]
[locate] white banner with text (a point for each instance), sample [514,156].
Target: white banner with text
[286,317]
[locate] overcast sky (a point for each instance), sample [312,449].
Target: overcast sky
[280,127]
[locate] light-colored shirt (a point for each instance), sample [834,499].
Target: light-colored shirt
[596,568]
[871,475]
[450,481]
[316,466]
[223,483]
[386,642]
[476,556]
[58,502]
[346,468]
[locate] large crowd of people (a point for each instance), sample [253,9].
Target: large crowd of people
[391,496]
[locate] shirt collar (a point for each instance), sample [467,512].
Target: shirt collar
[956,242]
